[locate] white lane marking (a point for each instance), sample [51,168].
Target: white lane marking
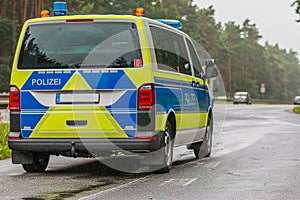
[189,182]
[168,182]
[93,196]
[235,146]
[178,182]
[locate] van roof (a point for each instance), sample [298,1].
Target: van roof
[109,16]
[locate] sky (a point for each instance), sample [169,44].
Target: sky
[275,19]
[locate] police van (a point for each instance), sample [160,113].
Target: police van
[90,84]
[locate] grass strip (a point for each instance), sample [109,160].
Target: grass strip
[5,152]
[296,109]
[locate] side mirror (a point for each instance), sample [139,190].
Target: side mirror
[210,62]
[211,69]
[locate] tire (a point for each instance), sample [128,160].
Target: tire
[167,149]
[204,148]
[40,163]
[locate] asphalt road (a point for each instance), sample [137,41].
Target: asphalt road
[256,155]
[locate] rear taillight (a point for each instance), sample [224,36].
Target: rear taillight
[13,136]
[14,98]
[146,97]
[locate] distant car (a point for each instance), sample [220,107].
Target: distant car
[297,100]
[242,97]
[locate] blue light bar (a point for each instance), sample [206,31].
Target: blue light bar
[174,23]
[60,8]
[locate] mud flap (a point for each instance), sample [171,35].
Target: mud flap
[153,158]
[22,157]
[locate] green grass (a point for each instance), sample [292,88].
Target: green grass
[5,152]
[296,109]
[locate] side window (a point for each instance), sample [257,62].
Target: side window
[196,62]
[170,50]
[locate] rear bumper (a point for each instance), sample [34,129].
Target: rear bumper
[241,100]
[77,146]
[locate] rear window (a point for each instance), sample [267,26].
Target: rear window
[76,45]
[240,94]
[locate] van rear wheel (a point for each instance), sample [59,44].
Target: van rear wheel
[165,153]
[40,163]
[168,149]
[204,148]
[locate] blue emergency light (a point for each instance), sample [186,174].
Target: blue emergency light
[171,22]
[60,8]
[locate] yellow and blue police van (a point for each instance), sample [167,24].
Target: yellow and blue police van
[88,84]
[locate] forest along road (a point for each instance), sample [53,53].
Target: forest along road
[256,156]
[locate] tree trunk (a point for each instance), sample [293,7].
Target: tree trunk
[31,12]
[20,11]
[13,10]
[38,8]
[228,76]
[24,11]
[3,8]
[42,5]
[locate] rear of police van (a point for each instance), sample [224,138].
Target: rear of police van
[80,83]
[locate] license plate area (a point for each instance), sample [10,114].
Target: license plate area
[77,98]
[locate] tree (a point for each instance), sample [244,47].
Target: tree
[245,58]
[153,9]
[3,8]
[6,50]
[8,37]
[296,4]
[4,73]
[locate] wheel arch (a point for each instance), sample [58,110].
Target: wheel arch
[210,114]
[172,118]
